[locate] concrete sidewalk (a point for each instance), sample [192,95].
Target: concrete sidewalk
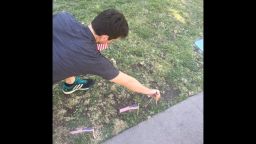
[180,124]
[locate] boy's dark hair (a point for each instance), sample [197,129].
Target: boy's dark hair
[112,23]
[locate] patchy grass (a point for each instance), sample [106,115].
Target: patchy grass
[158,52]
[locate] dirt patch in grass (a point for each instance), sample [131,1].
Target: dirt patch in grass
[119,125]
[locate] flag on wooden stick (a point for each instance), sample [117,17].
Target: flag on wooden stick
[82,130]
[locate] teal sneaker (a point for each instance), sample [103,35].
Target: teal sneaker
[79,84]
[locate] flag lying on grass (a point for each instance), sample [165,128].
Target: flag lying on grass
[80,130]
[132,107]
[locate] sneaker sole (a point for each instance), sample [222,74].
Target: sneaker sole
[70,92]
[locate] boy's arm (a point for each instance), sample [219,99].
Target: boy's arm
[134,85]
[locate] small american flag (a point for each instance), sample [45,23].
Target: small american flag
[81,130]
[101,47]
[132,107]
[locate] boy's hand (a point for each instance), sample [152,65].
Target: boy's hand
[155,94]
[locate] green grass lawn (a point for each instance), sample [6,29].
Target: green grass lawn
[158,52]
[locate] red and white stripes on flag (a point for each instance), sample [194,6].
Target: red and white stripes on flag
[101,47]
[132,107]
[80,130]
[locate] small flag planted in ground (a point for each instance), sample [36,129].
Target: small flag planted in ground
[82,130]
[128,108]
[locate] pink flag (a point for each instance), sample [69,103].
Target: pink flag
[132,107]
[81,130]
